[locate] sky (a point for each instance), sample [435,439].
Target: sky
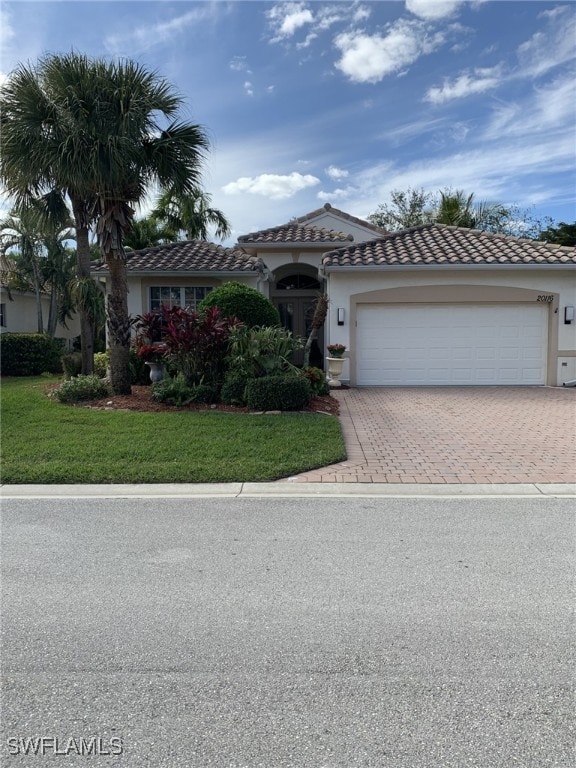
[308,103]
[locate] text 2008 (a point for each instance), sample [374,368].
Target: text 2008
[546,297]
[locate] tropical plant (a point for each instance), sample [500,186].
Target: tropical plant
[241,301]
[191,214]
[256,352]
[81,388]
[458,209]
[99,132]
[317,381]
[197,343]
[148,232]
[35,258]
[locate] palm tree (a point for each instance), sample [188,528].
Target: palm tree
[99,132]
[459,210]
[35,258]
[191,214]
[148,232]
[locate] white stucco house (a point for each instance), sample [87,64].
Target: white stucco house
[18,314]
[429,305]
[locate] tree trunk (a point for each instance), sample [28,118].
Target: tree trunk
[318,321]
[118,322]
[38,294]
[83,271]
[53,311]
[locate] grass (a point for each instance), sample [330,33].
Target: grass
[44,441]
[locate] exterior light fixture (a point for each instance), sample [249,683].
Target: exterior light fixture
[341,315]
[568,315]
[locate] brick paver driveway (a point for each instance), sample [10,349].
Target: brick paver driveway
[455,435]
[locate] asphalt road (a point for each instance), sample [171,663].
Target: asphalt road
[276,633]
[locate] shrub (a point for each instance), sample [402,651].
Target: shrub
[317,380]
[139,372]
[262,351]
[101,362]
[278,393]
[82,388]
[178,392]
[234,389]
[30,354]
[247,304]
[197,344]
[71,364]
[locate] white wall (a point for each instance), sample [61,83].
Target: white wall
[20,315]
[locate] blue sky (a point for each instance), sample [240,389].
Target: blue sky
[313,102]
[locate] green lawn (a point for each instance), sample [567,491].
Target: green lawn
[44,441]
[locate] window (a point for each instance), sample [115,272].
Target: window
[3,315]
[177,296]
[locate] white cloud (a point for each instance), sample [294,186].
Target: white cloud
[465,85]
[239,64]
[337,194]
[6,29]
[551,46]
[272,185]
[336,173]
[369,58]
[142,38]
[287,18]
[433,9]
[248,89]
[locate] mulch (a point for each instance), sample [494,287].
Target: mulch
[141,400]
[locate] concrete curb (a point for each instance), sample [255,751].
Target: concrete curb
[286,490]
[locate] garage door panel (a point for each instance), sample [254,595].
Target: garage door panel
[439,344]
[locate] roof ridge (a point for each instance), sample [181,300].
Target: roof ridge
[328,207]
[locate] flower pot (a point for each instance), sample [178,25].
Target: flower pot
[156,372]
[335,365]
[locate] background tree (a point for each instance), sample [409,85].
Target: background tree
[191,215]
[101,133]
[456,208]
[148,232]
[36,259]
[409,208]
[561,234]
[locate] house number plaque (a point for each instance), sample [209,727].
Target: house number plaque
[548,298]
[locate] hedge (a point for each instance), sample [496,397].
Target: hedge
[30,354]
[278,393]
[243,302]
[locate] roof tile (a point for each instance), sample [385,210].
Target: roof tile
[441,244]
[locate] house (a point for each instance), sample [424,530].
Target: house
[18,314]
[429,305]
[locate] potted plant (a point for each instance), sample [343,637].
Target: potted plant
[335,363]
[154,356]
[336,350]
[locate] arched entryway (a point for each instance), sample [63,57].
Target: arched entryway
[294,294]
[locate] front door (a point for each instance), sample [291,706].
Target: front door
[296,313]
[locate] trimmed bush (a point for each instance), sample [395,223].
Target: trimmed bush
[278,393]
[234,389]
[177,392]
[30,354]
[247,304]
[82,388]
[72,364]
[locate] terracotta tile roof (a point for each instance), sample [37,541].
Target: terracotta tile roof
[438,244]
[295,233]
[191,255]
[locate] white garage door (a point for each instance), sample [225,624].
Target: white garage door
[439,344]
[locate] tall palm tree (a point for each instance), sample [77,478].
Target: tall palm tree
[99,132]
[191,214]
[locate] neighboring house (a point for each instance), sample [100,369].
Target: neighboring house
[428,305]
[18,315]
